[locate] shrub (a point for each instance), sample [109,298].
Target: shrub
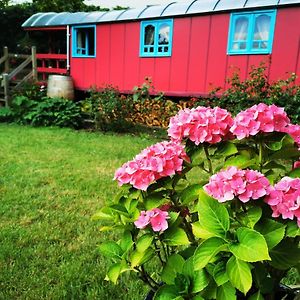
[47,112]
[257,88]
[108,109]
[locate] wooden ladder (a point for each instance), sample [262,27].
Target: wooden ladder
[8,81]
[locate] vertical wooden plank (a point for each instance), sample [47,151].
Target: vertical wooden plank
[131,57]
[103,55]
[217,52]
[285,44]
[34,63]
[6,63]
[6,88]
[180,52]
[198,53]
[117,37]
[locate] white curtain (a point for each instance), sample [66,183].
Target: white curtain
[262,28]
[240,33]
[164,34]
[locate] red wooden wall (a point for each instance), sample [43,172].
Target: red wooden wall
[199,58]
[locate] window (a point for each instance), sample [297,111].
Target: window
[84,41]
[156,38]
[251,32]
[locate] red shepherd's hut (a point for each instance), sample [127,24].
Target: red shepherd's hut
[184,47]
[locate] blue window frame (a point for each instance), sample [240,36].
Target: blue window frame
[84,41]
[251,32]
[156,38]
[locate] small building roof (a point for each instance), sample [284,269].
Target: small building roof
[153,11]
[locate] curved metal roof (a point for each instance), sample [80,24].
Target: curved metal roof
[155,11]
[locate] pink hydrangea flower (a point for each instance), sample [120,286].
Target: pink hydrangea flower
[201,124]
[243,184]
[294,132]
[156,218]
[157,161]
[296,164]
[284,199]
[259,118]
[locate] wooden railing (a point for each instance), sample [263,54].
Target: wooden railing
[51,64]
[9,76]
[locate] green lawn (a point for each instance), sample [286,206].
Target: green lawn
[51,182]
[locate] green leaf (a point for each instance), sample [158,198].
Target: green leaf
[226,292]
[114,272]
[175,237]
[144,242]
[219,273]
[111,249]
[206,251]
[155,200]
[251,246]
[240,161]
[139,258]
[294,173]
[198,157]
[167,292]
[285,153]
[173,266]
[183,283]
[239,274]
[197,297]
[103,215]
[274,165]
[120,209]
[285,255]
[191,193]
[272,231]
[200,232]
[213,216]
[251,217]
[126,241]
[225,149]
[256,296]
[199,281]
[292,229]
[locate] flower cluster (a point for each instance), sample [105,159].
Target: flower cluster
[259,118]
[201,124]
[284,199]
[156,218]
[294,132]
[243,184]
[157,161]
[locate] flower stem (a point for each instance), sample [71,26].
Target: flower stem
[260,154]
[210,168]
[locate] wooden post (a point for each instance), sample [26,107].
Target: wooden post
[6,88]
[34,63]
[6,63]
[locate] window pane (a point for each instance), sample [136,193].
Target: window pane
[164,34]
[149,35]
[241,29]
[80,39]
[262,28]
[90,32]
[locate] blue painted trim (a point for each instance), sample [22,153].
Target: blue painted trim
[251,16]
[74,42]
[156,24]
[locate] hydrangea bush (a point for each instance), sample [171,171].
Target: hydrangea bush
[214,213]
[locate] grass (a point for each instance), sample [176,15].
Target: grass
[51,182]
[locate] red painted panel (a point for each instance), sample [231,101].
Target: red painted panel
[146,69]
[162,74]
[217,57]
[180,52]
[117,48]
[237,63]
[198,53]
[285,45]
[103,55]
[131,58]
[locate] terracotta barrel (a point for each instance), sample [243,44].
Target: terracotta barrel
[60,86]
